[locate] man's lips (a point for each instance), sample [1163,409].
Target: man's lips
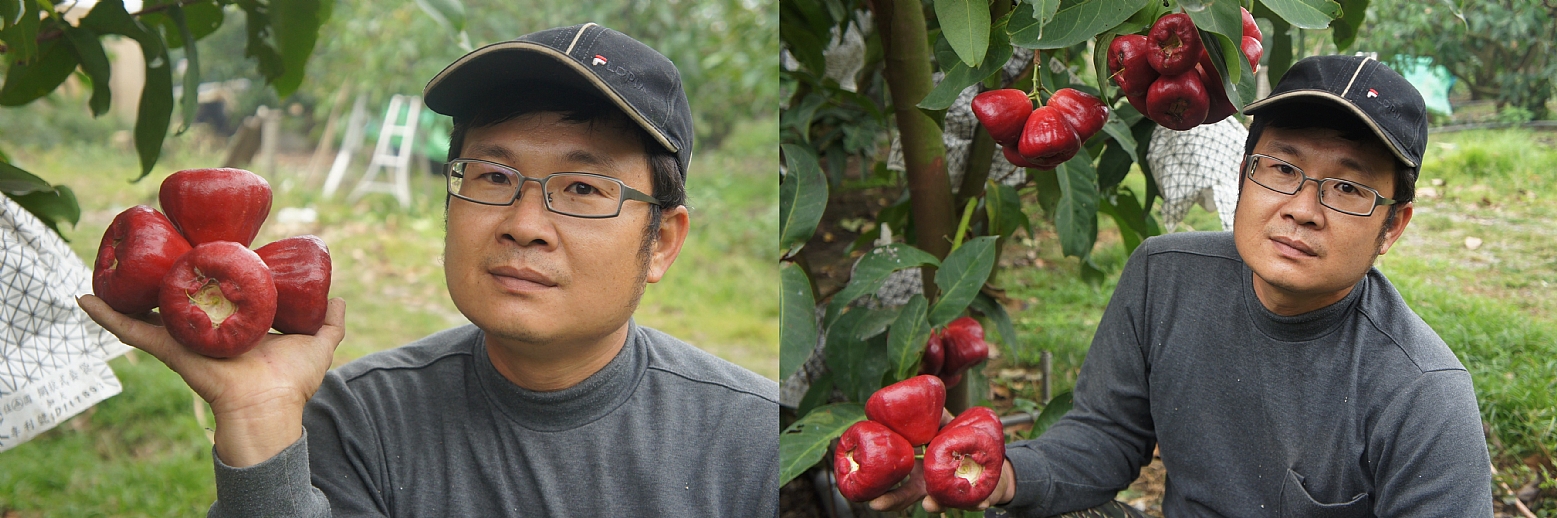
[521,279]
[1290,246]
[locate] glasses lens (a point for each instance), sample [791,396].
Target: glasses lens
[1275,174]
[1347,197]
[483,182]
[583,194]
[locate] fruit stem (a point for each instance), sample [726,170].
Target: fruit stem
[962,228]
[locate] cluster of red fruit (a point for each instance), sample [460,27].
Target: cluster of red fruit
[217,297]
[962,461]
[952,350]
[1043,138]
[1167,75]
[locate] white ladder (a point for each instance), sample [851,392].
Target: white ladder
[388,155]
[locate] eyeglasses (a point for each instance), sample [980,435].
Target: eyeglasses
[581,195]
[1339,195]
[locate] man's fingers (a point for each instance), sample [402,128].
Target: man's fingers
[138,334]
[930,505]
[334,329]
[897,499]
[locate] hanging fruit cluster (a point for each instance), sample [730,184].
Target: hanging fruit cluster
[1167,74]
[951,350]
[1043,138]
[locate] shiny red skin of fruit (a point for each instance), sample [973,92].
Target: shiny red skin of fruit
[1137,101]
[964,344]
[242,278]
[209,205]
[1253,50]
[1251,29]
[300,267]
[1220,107]
[946,454]
[137,250]
[1003,112]
[911,407]
[1085,112]
[982,418]
[1174,44]
[1048,139]
[1178,102]
[1128,65]
[934,354]
[884,459]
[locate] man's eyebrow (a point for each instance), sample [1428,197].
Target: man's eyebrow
[587,157]
[484,151]
[1286,148]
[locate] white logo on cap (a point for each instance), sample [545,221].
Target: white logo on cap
[1372,93]
[599,60]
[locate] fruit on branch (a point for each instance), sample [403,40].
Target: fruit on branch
[1085,112]
[1129,67]
[1219,107]
[223,204]
[1251,29]
[1253,50]
[1174,44]
[218,300]
[136,252]
[934,354]
[964,344]
[911,407]
[1047,140]
[300,267]
[870,459]
[1178,102]
[1003,112]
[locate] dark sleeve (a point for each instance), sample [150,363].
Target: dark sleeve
[277,487]
[1431,453]
[343,450]
[1098,448]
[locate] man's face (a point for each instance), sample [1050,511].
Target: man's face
[524,274]
[1304,255]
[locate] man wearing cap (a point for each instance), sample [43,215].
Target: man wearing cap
[1279,373]
[568,156]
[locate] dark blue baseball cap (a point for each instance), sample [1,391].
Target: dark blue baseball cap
[1380,97]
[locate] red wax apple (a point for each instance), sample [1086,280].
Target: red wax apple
[218,299]
[1251,29]
[1128,65]
[934,354]
[1253,50]
[300,267]
[1048,140]
[962,466]
[964,344]
[1085,112]
[209,205]
[137,250]
[1219,106]
[981,418]
[911,407]
[1175,44]
[1003,112]
[1178,102]
[870,459]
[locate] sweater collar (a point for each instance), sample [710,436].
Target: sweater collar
[572,407]
[1302,327]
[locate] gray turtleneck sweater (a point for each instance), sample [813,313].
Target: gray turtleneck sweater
[1355,409]
[432,429]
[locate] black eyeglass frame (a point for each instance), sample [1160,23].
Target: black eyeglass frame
[627,193]
[1251,160]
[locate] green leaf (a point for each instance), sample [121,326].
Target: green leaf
[1073,24]
[21,35]
[1052,413]
[258,45]
[1306,14]
[1118,127]
[1043,10]
[797,318]
[156,103]
[961,276]
[89,51]
[858,365]
[15,181]
[191,97]
[1076,216]
[906,339]
[1278,44]
[1127,214]
[26,81]
[965,24]
[51,206]
[1004,208]
[959,75]
[871,272]
[1344,30]
[991,309]
[803,44]
[203,18]
[296,27]
[802,198]
[1221,17]
[806,441]
[1114,166]
[1048,186]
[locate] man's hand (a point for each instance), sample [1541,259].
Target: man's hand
[912,490]
[257,398]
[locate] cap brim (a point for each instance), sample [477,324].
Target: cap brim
[511,65]
[1394,145]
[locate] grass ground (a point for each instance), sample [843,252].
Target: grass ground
[143,453]
[1478,263]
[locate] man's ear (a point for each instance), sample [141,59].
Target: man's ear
[674,224]
[1402,217]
